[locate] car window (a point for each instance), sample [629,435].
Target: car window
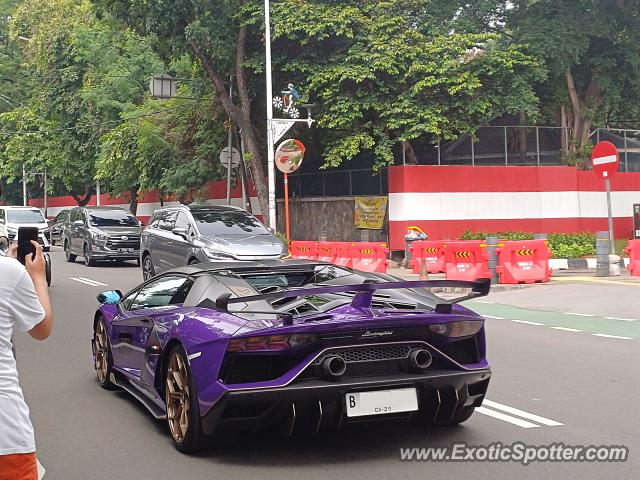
[2,214]
[168,221]
[25,216]
[160,293]
[112,218]
[61,216]
[182,221]
[155,220]
[227,222]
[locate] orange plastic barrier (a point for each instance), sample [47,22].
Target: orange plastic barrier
[328,251]
[303,249]
[633,250]
[466,260]
[430,252]
[369,256]
[343,254]
[524,261]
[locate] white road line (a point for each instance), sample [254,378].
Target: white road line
[506,418]
[483,301]
[87,281]
[521,413]
[579,314]
[611,336]
[622,319]
[493,316]
[566,329]
[526,322]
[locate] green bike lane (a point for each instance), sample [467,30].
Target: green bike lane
[626,328]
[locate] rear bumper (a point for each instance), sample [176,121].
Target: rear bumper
[310,406]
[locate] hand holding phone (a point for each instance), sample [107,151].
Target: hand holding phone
[27,235]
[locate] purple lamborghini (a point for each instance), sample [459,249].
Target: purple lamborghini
[293,347]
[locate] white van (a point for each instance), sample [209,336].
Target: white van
[12,218]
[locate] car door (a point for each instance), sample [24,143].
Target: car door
[139,312]
[181,246]
[163,243]
[77,231]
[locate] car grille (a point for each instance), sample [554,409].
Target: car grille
[116,242]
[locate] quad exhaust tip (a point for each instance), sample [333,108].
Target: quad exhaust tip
[333,366]
[420,359]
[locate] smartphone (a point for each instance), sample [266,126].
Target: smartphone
[25,247]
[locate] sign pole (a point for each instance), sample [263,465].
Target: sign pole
[607,185]
[229,145]
[286,206]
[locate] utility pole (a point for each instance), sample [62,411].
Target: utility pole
[24,187]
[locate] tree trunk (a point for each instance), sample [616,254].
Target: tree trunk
[582,123]
[133,199]
[84,199]
[410,153]
[240,115]
[522,137]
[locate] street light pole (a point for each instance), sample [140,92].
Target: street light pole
[270,155]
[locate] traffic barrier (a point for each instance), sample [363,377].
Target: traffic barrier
[328,251]
[430,252]
[525,261]
[466,260]
[303,249]
[633,250]
[369,256]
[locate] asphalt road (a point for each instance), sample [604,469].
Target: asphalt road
[576,384]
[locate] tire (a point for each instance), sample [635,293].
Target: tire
[148,270]
[46,249]
[103,362]
[181,400]
[48,273]
[67,253]
[88,261]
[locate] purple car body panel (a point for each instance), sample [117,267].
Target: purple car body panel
[205,334]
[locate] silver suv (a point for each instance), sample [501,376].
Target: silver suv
[101,233]
[183,235]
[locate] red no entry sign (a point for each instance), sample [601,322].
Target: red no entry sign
[605,159]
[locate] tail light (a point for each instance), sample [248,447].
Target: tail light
[462,328]
[270,343]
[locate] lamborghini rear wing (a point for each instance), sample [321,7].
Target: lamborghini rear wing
[364,293]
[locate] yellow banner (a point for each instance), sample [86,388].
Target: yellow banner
[370,212]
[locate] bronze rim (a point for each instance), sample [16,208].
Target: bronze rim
[102,352]
[177,395]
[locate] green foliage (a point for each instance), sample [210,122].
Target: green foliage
[563,245]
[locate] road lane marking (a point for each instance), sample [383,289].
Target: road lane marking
[622,319]
[566,329]
[506,418]
[521,413]
[527,322]
[484,301]
[579,314]
[88,281]
[611,336]
[493,317]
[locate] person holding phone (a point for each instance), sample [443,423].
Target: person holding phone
[24,306]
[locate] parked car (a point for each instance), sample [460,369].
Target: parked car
[101,233]
[56,226]
[4,246]
[12,218]
[184,235]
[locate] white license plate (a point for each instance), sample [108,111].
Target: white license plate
[125,250]
[381,402]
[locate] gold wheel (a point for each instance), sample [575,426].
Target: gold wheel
[177,396]
[102,352]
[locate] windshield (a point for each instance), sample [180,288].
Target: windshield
[25,216]
[112,218]
[215,222]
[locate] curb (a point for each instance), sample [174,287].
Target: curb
[576,263]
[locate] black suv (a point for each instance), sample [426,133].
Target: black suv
[101,233]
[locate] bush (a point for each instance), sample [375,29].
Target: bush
[563,245]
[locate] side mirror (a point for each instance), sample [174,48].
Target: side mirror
[4,244]
[79,223]
[181,232]
[110,297]
[140,223]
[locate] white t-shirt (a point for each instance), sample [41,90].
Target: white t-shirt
[20,310]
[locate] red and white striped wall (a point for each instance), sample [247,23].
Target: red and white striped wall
[447,200]
[215,192]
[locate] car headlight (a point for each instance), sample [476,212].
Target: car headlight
[462,328]
[216,255]
[100,236]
